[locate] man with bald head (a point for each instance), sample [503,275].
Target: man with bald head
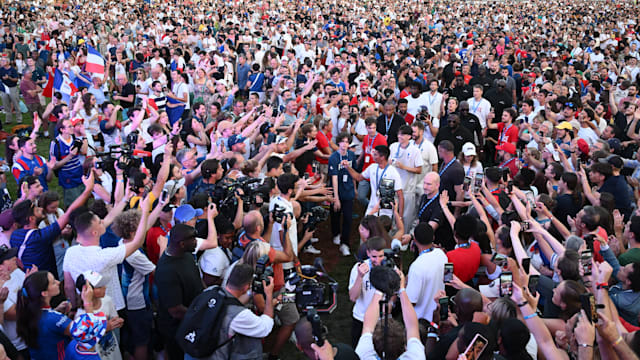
[126,95]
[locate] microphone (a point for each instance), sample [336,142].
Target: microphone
[141,153]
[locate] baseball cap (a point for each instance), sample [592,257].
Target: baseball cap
[281,139]
[583,146]
[614,144]
[185,213]
[92,277]
[264,128]
[235,139]
[614,160]
[172,186]
[7,253]
[6,219]
[507,147]
[565,125]
[469,149]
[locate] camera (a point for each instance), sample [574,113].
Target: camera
[315,167]
[317,214]
[308,293]
[392,257]
[278,213]
[387,193]
[261,273]
[286,168]
[319,332]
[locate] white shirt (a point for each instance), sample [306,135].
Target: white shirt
[366,351]
[214,261]
[79,259]
[410,156]
[361,129]
[142,266]
[414,104]
[249,324]
[434,101]
[275,232]
[429,158]
[424,280]
[480,109]
[374,174]
[366,292]
[14,285]
[588,135]
[180,90]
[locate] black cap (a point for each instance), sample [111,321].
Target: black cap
[7,253]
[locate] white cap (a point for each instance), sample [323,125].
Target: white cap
[469,149]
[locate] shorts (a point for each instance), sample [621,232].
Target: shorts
[287,313]
[138,327]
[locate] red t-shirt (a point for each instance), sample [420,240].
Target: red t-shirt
[465,260]
[278,274]
[369,144]
[510,134]
[323,142]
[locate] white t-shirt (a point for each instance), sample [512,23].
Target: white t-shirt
[374,174]
[275,232]
[366,351]
[142,267]
[588,135]
[414,104]
[215,261]
[366,292]
[410,156]
[424,280]
[180,90]
[14,285]
[434,101]
[79,259]
[480,109]
[361,129]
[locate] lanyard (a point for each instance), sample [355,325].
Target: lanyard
[425,251]
[371,140]
[381,176]
[427,205]
[398,151]
[496,189]
[387,124]
[432,98]
[463,246]
[420,145]
[475,109]
[506,163]
[447,166]
[504,132]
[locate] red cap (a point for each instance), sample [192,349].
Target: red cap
[76,121]
[507,147]
[583,146]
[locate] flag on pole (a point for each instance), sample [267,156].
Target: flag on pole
[62,83]
[95,61]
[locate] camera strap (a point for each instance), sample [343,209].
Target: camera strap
[378,179]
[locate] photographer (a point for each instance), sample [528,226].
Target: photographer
[375,338]
[211,172]
[247,328]
[360,289]
[375,174]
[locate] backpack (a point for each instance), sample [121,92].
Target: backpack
[198,332]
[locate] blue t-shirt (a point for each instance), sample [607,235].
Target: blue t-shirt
[256,81]
[25,167]
[12,72]
[52,340]
[346,189]
[243,75]
[39,249]
[70,174]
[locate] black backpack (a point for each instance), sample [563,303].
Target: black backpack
[198,332]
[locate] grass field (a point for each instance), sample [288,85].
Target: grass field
[339,267]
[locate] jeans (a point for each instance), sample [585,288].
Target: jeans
[12,98]
[364,187]
[346,208]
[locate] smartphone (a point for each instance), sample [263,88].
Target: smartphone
[165,194]
[306,176]
[448,272]
[589,239]
[499,259]
[533,284]
[476,347]
[585,261]
[526,262]
[525,227]
[477,184]
[444,308]
[506,283]
[510,186]
[578,164]
[467,182]
[588,302]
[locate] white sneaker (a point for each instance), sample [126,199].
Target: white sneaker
[344,250]
[336,239]
[311,250]
[46,134]
[314,240]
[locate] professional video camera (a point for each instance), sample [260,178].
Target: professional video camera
[317,214]
[278,213]
[261,273]
[387,193]
[319,331]
[392,258]
[224,194]
[308,293]
[126,154]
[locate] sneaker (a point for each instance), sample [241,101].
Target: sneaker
[46,134]
[336,239]
[311,250]
[314,240]
[344,250]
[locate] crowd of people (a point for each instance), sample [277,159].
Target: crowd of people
[486,152]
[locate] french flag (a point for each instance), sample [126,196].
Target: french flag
[95,61]
[62,83]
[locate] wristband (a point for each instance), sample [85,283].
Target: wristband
[401,290]
[602,286]
[618,341]
[530,316]
[119,181]
[296,264]
[523,303]
[585,345]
